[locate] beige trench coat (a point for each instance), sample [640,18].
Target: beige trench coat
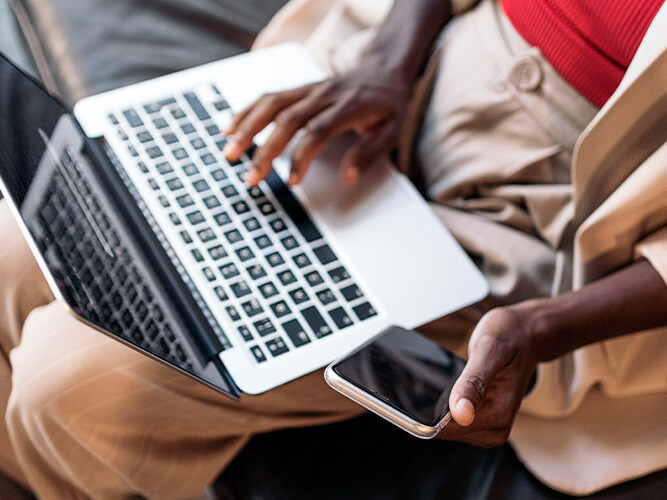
[598,415]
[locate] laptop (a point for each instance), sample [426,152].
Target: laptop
[145,232]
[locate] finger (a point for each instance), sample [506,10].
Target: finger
[287,123]
[373,144]
[470,390]
[252,120]
[331,122]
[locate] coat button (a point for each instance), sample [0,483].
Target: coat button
[526,74]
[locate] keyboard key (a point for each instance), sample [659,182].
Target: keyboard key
[185,201]
[197,143]
[299,296]
[211,202]
[252,308]
[188,128]
[175,184]
[290,242]
[177,113]
[142,166]
[133,118]
[255,192]
[217,252]
[154,152]
[245,254]
[197,255]
[351,293]
[213,130]
[180,154]
[175,220]
[221,104]
[302,260]
[275,259]
[256,272]
[186,237]
[264,327]
[160,123]
[316,322]
[219,174]
[206,235]
[364,311]
[280,309]
[196,106]
[266,208]
[208,159]
[229,191]
[296,333]
[244,331]
[240,289]
[251,224]
[164,168]
[222,219]
[314,278]
[278,225]
[326,296]
[240,207]
[220,292]
[190,169]
[257,352]
[325,254]
[170,138]
[339,274]
[233,313]
[200,186]
[153,184]
[263,241]
[195,217]
[340,317]
[293,208]
[208,274]
[229,271]
[144,137]
[277,346]
[287,277]
[268,290]
[234,236]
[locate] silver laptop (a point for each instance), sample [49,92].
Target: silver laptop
[145,232]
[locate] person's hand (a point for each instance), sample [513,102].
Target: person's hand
[362,100]
[487,395]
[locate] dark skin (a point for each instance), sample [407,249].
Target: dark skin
[508,342]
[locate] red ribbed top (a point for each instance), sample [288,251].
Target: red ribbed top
[589,42]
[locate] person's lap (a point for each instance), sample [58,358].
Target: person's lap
[85,406]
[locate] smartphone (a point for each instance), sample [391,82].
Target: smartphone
[403,377]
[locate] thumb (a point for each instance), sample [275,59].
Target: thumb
[372,144]
[469,391]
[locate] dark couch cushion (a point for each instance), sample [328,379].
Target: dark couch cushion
[86,47]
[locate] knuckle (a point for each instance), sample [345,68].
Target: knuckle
[288,118]
[318,129]
[478,385]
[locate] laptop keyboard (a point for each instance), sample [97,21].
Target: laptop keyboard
[270,273]
[98,271]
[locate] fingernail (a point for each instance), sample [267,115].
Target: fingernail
[230,149]
[252,177]
[466,412]
[293,179]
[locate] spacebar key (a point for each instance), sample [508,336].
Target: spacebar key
[293,208]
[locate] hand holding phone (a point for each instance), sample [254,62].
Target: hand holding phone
[401,376]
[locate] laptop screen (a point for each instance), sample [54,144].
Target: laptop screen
[28,116]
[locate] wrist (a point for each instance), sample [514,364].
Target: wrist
[542,323]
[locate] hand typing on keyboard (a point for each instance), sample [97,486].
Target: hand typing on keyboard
[368,100]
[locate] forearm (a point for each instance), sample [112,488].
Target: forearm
[404,41]
[630,300]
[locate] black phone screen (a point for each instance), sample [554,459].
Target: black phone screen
[405,370]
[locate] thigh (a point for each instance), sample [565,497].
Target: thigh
[88,396]
[22,284]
